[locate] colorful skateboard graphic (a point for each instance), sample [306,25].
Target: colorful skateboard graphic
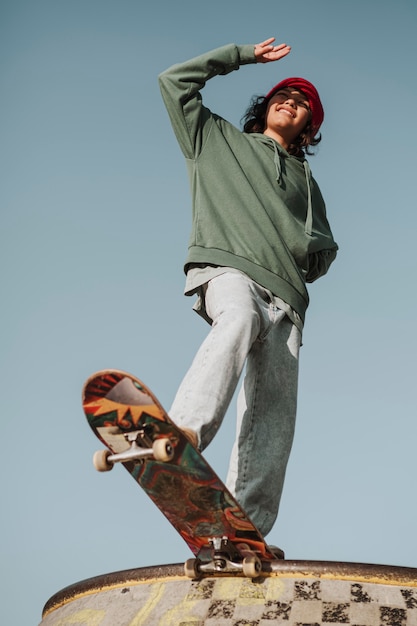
[129,420]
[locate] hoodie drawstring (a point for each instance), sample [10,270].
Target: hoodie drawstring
[277,161]
[308,226]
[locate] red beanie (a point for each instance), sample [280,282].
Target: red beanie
[317,112]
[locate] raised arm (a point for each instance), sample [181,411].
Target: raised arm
[181,85]
[180,88]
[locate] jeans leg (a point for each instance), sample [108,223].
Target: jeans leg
[266,419]
[207,389]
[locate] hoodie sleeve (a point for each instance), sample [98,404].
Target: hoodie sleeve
[319,263]
[181,85]
[322,249]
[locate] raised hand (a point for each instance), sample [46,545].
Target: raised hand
[266,52]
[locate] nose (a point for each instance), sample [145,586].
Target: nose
[290,101]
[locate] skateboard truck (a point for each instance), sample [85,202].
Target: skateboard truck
[161,450]
[222,556]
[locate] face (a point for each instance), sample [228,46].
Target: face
[287,114]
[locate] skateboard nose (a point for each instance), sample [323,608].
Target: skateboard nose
[126,392]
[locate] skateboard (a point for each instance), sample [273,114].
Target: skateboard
[137,432]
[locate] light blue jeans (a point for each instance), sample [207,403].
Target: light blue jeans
[247,328]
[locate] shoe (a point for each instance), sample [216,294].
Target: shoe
[191,436]
[279,554]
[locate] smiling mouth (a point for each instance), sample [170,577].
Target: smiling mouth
[282,110]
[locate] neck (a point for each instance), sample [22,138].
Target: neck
[278,137]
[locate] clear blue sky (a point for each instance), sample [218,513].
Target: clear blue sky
[94,225]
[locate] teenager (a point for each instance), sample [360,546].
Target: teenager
[259,233]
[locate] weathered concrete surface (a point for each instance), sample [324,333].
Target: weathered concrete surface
[294,593]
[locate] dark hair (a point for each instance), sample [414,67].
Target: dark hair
[254,121]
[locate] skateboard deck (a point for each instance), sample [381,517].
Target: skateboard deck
[129,420]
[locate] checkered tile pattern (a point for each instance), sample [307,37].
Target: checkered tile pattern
[241,602]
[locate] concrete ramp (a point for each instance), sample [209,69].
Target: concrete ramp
[294,593]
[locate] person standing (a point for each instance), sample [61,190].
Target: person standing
[259,234]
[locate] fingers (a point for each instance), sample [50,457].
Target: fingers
[280,51]
[266,51]
[267,42]
[264,46]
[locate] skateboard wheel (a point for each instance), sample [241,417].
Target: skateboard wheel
[163,450]
[191,568]
[101,462]
[251,566]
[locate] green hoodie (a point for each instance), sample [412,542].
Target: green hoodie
[255,207]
